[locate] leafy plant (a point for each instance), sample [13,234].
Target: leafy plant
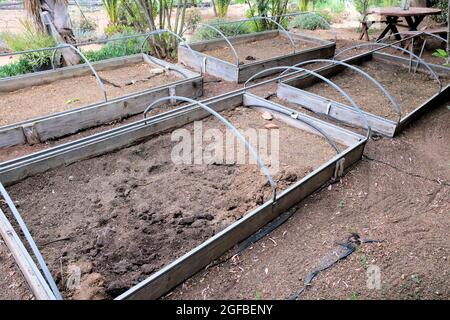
[227,28]
[310,21]
[87,25]
[112,30]
[441,53]
[221,7]
[16,68]
[441,4]
[31,39]
[114,49]
[112,8]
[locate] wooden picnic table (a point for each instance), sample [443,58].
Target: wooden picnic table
[413,17]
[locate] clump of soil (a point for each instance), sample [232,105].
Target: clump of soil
[252,51]
[75,92]
[409,90]
[119,217]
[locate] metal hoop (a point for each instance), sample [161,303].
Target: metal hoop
[31,242]
[232,128]
[294,115]
[68,45]
[386,45]
[270,19]
[331,83]
[159,31]
[224,37]
[365,74]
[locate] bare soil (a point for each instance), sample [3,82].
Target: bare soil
[13,284]
[409,90]
[129,213]
[399,193]
[252,51]
[211,87]
[72,93]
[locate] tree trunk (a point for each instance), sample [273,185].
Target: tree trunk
[58,14]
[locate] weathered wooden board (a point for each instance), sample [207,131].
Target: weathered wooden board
[29,269]
[173,274]
[231,72]
[340,135]
[336,110]
[71,121]
[44,77]
[295,90]
[107,141]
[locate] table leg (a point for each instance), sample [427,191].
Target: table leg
[413,23]
[391,22]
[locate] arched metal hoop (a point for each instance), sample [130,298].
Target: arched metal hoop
[419,33]
[291,113]
[387,45]
[224,37]
[159,31]
[268,19]
[322,18]
[99,81]
[365,74]
[232,128]
[31,242]
[331,83]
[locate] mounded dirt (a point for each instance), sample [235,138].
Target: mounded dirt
[72,93]
[129,213]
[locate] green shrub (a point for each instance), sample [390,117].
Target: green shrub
[114,49]
[31,39]
[112,30]
[228,29]
[310,21]
[16,68]
[441,4]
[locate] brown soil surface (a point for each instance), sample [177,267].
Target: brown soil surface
[252,51]
[409,90]
[12,283]
[211,87]
[72,93]
[399,194]
[120,230]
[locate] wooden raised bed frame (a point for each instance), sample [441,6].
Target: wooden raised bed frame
[182,268]
[295,90]
[204,63]
[71,121]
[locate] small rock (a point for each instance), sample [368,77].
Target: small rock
[177,214]
[270,126]
[147,268]
[116,288]
[71,178]
[205,216]
[121,267]
[250,58]
[266,116]
[186,221]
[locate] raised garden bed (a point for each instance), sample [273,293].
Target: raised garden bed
[414,93]
[256,52]
[126,227]
[73,100]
